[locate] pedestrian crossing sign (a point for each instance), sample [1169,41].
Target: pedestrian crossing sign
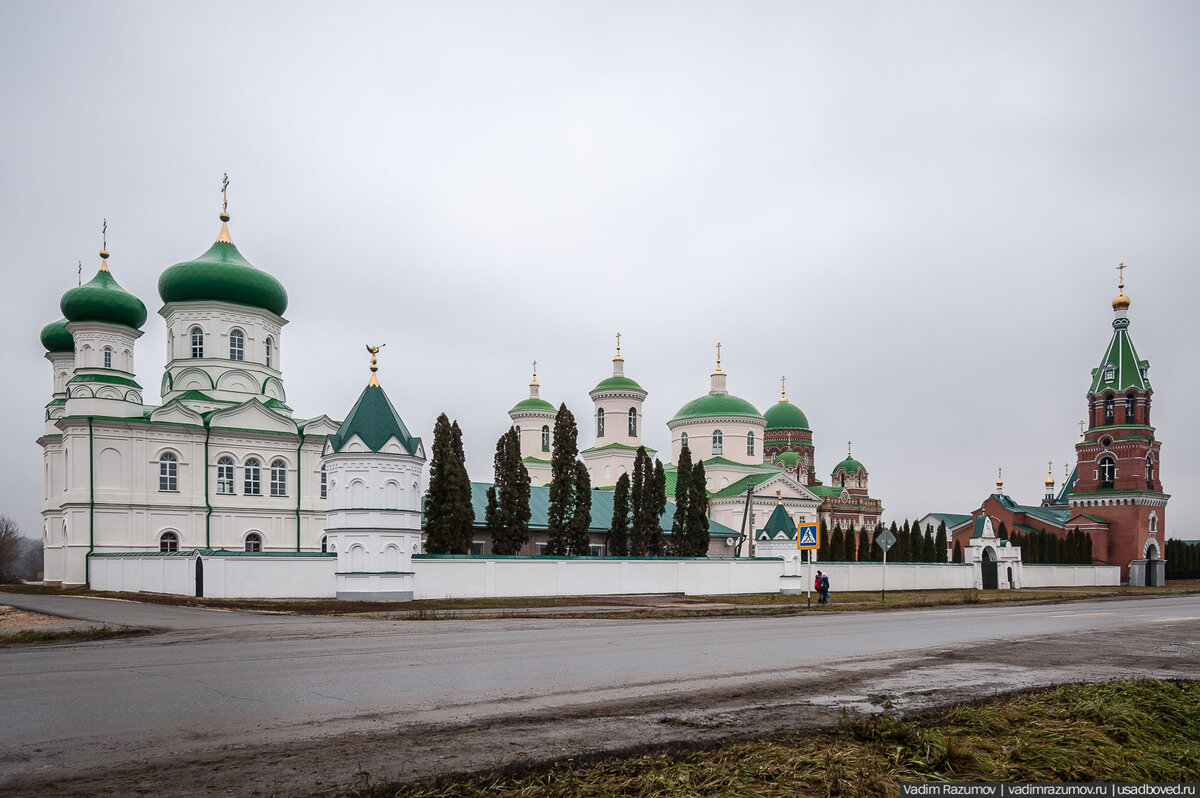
[807,536]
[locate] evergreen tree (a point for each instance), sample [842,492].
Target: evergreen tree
[876,551]
[939,544]
[864,546]
[896,553]
[822,540]
[444,514]
[958,552]
[464,511]
[929,549]
[837,545]
[680,544]
[491,516]
[562,482]
[578,538]
[850,546]
[618,538]
[655,542]
[640,503]
[698,513]
[904,547]
[1002,532]
[508,510]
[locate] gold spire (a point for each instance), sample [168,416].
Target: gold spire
[783,389]
[718,371]
[374,350]
[618,357]
[533,383]
[104,246]
[1081,435]
[1121,302]
[999,479]
[224,236]
[1049,474]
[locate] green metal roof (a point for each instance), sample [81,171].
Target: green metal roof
[1120,368]
[951,520]
[375,421]
[223,275]
[102,299]
[718,405]
[826,491]
[616,446]
[56,337]
[779,522]
[533,403]
[785,415]
[111,379]
[850,465]
[788,458]
[1051,515]
[618,383]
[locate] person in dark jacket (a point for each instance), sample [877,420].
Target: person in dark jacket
[817,587]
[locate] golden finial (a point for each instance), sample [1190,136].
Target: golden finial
[224,236]
[1081,426]
[779,495]
[374,350]
[104,246]
[1066,471]
[848,450]
[618,357]
[1049,474]
[999,478]
[718,371]
[534,382]
[1121,302]
[783,389]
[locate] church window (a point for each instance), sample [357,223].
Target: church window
[1130,405]
[253,481]
[168,541]
[1109,411]
[1153,523]
[517,427]
[197,342]
[683,439]
[633,422]
[1108,472]
[545,437]
[278,478]
[750,443]
[324,543]
[324,484]
[1149,472]
[168,472]
[237,345]
[268,353]
[718,442]
[108,357]
[600,422]
[1110,374]
[254,542]
[842,480]
[225,476]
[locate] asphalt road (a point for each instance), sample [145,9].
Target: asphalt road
[213,680]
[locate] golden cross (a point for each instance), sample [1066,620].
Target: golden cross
[1049,466]
[224,195]
[79,272]
[1121,268]
[104,235]
[535,371]
[718,355]
[847,448]
[1081,423]
[618,344]
[783,386]
[999,476]
[374,350]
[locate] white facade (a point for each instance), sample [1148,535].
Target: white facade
[533,419]
[617,425]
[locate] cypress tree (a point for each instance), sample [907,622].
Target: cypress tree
[440,519]
[837,545]
[958,553]
[876,552]
[1002,532]
[939,543]
[698,513]
[618,537]
[655,542]
[902,550]
[929,550]
[639,504]
[463,510]
[578,538]
[850,546]
[562,482]
[822,540]
[680,545]
[864,546]
[508,510]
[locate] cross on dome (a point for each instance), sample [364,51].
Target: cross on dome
[104,246]
[374,350]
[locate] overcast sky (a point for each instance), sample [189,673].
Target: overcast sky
[913,210]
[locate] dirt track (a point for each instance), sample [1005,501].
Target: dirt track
[910,683]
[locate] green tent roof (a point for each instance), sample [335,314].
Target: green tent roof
[223,275]
[375,421]
[718,405]
[785,415]
[102,299]
[1120,369]
[780,521]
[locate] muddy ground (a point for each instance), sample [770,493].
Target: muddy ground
[911,683]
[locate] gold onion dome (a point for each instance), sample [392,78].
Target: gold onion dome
[1121,302]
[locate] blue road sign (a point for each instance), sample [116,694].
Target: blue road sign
[807,536]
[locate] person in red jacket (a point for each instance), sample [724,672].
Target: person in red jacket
[817,588]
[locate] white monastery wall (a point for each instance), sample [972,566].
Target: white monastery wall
[1069,575]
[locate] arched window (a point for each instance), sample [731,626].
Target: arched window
[237,345]
[718,442]
[1149,472]
[1153,523]
[750,443]
[197,342]
[168,472]
[253,481]
[682,439]
[108,357]
[633,422]
[1108,472]
[278,478]
[324,484]
[324,544]
[254,542]
[545,438]
[841,480]
[517,427]
[1109,412]
[1130,407]
[168,541]
[268,353]
[225,476]
[600,422]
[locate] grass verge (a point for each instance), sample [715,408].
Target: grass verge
[65,636]
[1118,731]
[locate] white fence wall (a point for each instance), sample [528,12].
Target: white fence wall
[483,577]
[239,575]
[847,576]
[150,574]
[1069,575]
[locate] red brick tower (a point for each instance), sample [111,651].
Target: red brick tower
[1118,479]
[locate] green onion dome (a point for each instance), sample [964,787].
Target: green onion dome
[103,300]
[717,404]
[785,415]
[618,382]
[221,274]
[787,459]
[57,338]
[849,465]
[533,403]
